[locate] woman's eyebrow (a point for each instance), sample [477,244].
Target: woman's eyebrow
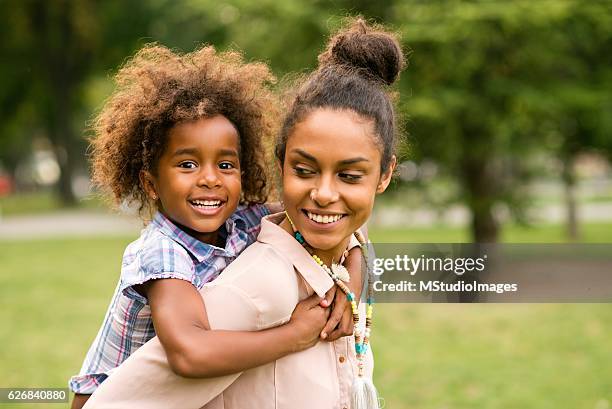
[305,155]
[353,160]
[342,162]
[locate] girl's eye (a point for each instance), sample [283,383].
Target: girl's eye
[350,177]
[226,165]
[188,164]
[300,171]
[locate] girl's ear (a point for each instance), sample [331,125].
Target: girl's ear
[385,178]
[148,184]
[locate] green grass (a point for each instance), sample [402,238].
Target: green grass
[54,293]
[549,233]
[494,356]
[53,296]
[42,201]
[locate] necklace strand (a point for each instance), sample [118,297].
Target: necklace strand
[362,341]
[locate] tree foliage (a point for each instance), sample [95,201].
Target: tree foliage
[490,84]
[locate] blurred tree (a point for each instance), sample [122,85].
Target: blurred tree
[55,47]
[482,74]
[489,83]
[580,88]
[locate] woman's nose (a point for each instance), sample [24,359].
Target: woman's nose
[325,193]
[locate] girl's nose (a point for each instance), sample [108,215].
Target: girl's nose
[209,178]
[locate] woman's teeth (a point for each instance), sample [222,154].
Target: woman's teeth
[206,203]
[324,219]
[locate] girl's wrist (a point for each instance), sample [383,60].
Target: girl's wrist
[290,338]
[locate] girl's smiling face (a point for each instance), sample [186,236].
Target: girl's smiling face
[331,175]
[197,183]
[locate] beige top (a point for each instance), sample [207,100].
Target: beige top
[258,290]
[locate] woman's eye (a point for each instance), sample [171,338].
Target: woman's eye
[350,177]
[226,165]
[302,171]
[188,165]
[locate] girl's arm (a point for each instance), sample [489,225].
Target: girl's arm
[194,351]
[79,400]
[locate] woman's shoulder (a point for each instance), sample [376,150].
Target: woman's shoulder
[264,279]
[257,260]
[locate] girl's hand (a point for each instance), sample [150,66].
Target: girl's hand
[340,323]
[307,320]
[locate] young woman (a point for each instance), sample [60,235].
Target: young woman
[336,152]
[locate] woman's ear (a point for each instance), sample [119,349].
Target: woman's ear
[385,178]
[148,184]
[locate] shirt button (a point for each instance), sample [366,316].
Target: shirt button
[341,359]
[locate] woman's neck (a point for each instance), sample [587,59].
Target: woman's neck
[327,256]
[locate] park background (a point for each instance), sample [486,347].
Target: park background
[507,119]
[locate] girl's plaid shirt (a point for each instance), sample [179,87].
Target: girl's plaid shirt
[162,251]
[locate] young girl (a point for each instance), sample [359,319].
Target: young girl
[182,138]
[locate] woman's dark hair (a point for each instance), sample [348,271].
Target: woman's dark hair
[354,73]
[157,89]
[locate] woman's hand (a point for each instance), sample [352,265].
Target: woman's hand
[340,323]
[307,320]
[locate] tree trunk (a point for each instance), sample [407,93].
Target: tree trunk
[63,140]
[61,58]
[485,229]
[569,182]
[480,184]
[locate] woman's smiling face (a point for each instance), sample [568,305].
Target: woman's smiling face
[331,174]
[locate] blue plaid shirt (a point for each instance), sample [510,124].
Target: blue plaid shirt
[162,251]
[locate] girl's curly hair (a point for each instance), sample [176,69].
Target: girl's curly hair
[158,88]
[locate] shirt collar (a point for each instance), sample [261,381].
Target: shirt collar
[271,233]
[235,237]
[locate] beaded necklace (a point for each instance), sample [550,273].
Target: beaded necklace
[362,341]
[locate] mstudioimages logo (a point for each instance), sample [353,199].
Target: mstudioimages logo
[413,265]
[437,286]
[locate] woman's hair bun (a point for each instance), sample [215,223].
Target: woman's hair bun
[372,51]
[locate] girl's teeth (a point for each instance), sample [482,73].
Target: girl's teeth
[324,219]
[207,203]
